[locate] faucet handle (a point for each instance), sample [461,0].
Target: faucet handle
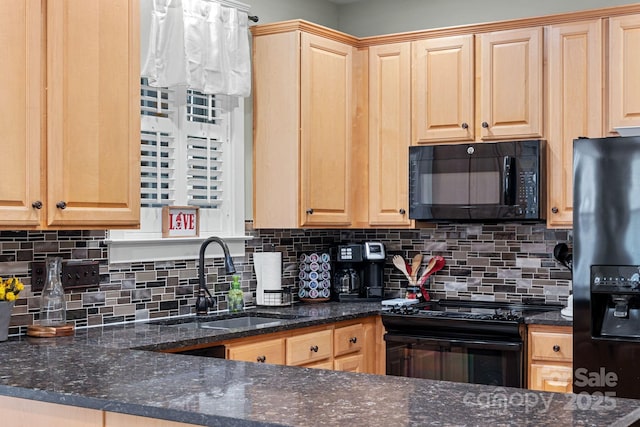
[204,303]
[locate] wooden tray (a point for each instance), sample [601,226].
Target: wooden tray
[50,331]
[314,299]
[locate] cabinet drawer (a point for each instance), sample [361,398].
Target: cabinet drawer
[309,347]
[551,346]
[348,339]
[551,378]
[269,351]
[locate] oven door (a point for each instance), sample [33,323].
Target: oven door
[476,361]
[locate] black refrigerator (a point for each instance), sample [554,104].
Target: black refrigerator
[606,266]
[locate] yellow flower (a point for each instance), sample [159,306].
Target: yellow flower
[10,288]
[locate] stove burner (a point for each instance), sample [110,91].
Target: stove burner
[468,310]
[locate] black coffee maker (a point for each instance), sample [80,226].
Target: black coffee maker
[358,272]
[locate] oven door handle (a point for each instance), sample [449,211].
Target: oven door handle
[448,342]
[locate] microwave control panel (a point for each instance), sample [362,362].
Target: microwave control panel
[527,194]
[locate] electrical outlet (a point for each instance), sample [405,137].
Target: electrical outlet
[75,275]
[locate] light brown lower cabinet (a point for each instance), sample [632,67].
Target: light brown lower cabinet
[353,345]
[266,351]
[550,358]
[18,412]
[327,364]
[352,363]
[309,347]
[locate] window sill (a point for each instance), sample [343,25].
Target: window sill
[170,249]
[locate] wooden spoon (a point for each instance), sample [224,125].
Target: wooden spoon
[427,271]
[415,266]
[398,261]
[438,264]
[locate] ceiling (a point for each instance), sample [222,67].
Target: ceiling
[343,1]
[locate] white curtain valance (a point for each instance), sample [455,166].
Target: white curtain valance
[200,43]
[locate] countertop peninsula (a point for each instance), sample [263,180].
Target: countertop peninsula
[104,368]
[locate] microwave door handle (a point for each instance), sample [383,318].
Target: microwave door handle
[508,174]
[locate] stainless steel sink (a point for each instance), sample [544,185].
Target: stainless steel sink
[243,320]
[240,322]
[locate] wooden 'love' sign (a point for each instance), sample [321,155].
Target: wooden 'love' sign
[180,221]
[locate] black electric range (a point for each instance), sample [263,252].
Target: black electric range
[458,340]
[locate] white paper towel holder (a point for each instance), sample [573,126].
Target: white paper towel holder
[269,289]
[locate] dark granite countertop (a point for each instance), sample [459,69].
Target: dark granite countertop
[151,336]
[553,317]
[97,369]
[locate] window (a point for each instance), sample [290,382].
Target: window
[191,153]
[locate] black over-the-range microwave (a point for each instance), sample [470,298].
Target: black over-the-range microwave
[491,182]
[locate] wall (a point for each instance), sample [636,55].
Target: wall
[504,262]
[376,17]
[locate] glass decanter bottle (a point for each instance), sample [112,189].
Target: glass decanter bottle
[52,302]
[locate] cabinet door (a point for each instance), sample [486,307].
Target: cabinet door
[269,351]
[443,89]
[624,69]
[115,419]
[389,133]
[93,121]
[276,130]
[26,412]
[510,103]
[551,378]
[326,128]
[351,363]
[325,364]
[574,107]
[21,81]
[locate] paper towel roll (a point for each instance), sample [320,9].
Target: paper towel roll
[268,268]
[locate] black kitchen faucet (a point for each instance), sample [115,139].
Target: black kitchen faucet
[205,300]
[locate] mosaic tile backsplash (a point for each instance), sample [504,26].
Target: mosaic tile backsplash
[502,262]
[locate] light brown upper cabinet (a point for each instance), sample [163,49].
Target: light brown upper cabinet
[389,133]
[509,72]
[71,114]
[302,130]
[505,104]
[21,113]
[624,69]
[574,109]
[443,99]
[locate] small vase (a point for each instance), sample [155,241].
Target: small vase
[52,302]
[5,319]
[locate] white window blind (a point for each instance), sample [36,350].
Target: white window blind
[204,172]
[182,155]
[191,154]
[156,169]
